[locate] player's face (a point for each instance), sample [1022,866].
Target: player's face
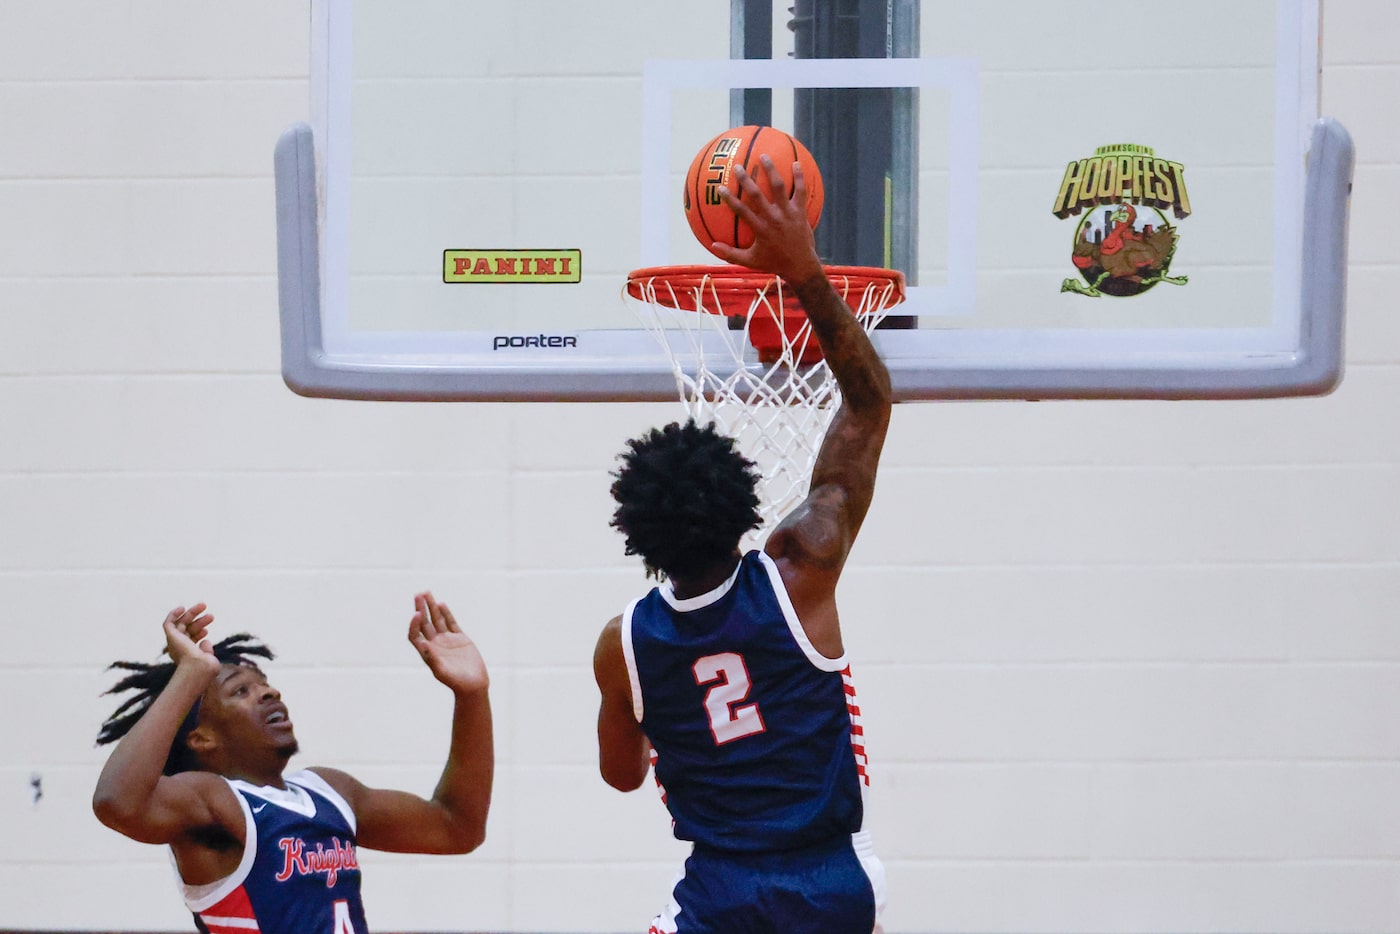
[248,713]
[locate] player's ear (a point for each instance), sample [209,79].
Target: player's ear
[201,740]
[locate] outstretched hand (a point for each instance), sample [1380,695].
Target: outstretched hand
[448,652]
[783,241]
[187,636]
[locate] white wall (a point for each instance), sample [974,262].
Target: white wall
[1125,666]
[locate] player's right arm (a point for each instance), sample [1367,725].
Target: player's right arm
[453,820]
[133,797]
[811,544]
[623,753]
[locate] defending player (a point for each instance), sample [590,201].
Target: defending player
[199,766]
[732,669]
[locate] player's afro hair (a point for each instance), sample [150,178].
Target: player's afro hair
[685,497]
[149,679]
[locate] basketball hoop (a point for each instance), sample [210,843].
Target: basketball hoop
[762,378]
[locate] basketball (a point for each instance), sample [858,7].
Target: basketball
[711,220]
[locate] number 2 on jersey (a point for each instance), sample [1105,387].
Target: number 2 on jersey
[728,722]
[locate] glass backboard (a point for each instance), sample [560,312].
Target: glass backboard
[1138,206]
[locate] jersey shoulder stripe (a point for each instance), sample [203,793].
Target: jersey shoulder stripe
[799,634]
[629,655]
[200,898]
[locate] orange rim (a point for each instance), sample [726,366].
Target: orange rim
[730,290]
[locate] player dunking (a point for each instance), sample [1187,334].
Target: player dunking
[199,766]
[732,669]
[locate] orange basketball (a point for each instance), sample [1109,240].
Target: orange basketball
[710,218]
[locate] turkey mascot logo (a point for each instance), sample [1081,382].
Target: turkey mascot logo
[1124,244]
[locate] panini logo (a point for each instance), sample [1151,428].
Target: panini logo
[511,265]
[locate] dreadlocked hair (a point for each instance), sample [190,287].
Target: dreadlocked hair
[685,496]
[148,680]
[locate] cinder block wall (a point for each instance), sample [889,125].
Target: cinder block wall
[1125,666]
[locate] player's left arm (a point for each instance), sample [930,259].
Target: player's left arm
[811,544]
[623,752]
[454,819]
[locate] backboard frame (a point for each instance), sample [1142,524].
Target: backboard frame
[315,366]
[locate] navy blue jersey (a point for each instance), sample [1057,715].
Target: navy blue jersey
[756,737]
[299,873]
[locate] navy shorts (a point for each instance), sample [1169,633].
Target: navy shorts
[835,889]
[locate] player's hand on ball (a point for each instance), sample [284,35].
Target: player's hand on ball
[783,240]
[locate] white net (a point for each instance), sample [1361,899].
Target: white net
[776,401]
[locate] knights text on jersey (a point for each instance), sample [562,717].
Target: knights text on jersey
[756,735]
[299,873]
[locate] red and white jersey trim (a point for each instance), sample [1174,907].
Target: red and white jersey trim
[665,922]
[857,727]
[231,915]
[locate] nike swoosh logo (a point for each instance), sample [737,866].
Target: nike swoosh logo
[259,808]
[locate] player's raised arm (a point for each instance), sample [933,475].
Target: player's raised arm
[133,796]
[454,819]
[812,543]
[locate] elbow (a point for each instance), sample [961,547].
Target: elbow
[467,838]
[102,808]
[111,811]
[623,780]
[619,784]
[467,843]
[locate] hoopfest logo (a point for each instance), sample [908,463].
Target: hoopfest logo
[299,861]
[1124,244]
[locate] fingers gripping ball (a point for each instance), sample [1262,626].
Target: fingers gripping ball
[710,218]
